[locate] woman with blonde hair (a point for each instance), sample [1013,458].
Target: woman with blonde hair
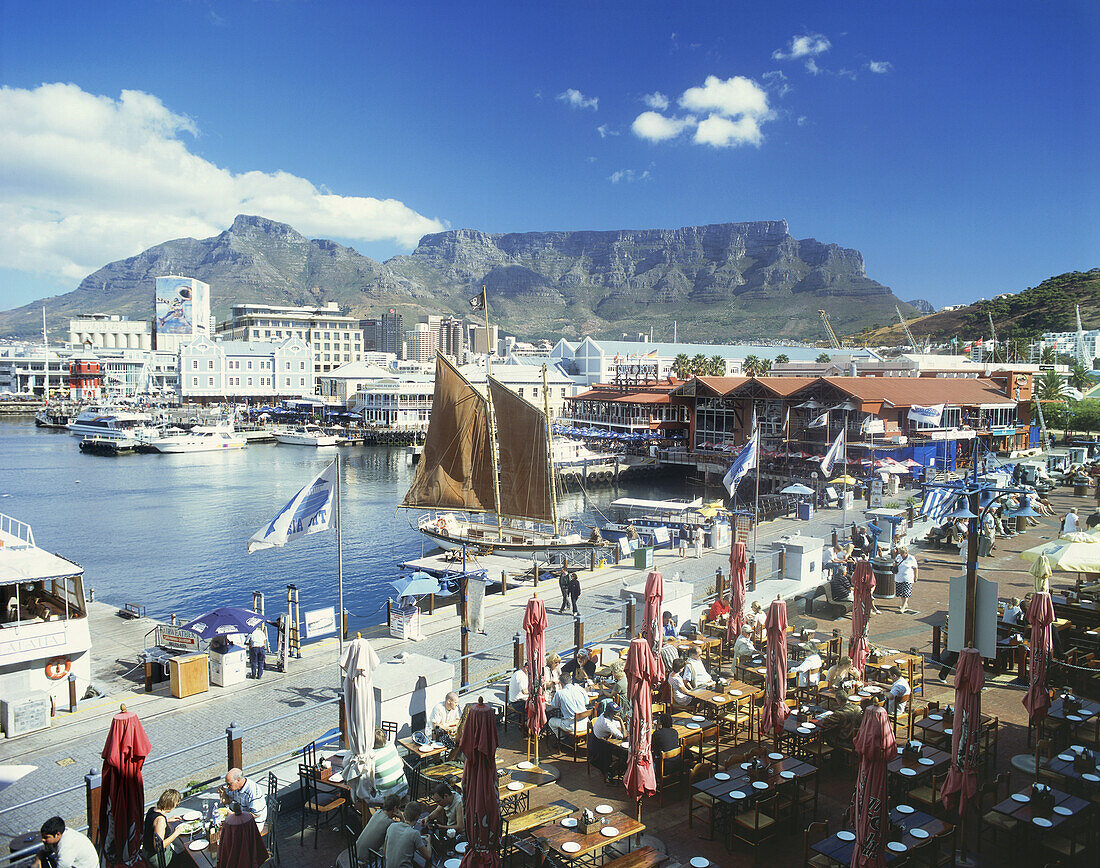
[156,827]
[551,673]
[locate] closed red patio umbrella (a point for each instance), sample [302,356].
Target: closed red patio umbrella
[1040,615]
[534,626]
[863,586]
[651,626]
[122,809]
[774,710]
[962,774]
[876,747]
[739,561]
[642,672]
[480,797]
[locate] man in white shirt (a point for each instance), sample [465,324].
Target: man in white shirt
[696,671]
[569,701]
[245,792]
[609,725]
[72,849]
[445,715]
[743,647]
[518,690]
[808,670]
[257,650]
[1069,523]
[895,697]
[1013,613]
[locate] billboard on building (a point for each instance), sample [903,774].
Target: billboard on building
[182,306]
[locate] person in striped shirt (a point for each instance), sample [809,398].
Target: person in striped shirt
[389,770]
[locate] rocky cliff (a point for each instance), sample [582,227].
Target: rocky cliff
[719,282]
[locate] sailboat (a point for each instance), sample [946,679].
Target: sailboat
[486,476]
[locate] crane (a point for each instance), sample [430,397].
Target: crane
[917,348]
[992,338]
[1082,356]
[834,341]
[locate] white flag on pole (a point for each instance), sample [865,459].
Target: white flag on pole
[744,462]
[835,454]
[821,421]
[930,415]
[309,512]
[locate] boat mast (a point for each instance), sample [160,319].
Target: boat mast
[550,453]
[492,418]
[46,353]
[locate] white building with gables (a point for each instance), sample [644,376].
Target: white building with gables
[212,370]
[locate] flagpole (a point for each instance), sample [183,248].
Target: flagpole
[339,560]
[843,493]
[756,498]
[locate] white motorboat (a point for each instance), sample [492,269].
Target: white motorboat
[307,435]
[200,439]
[52,416]
[107,422]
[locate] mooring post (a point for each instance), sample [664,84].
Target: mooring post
[517,652]
[630,617]
[234,753]
[93,788]
[72,692]
[578,632]
[752,574]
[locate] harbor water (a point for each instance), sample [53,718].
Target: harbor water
[169,531]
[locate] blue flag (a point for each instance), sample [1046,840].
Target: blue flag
[309,512]
[742,464]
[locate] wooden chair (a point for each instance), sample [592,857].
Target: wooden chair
[940,851]
[692,746]
[928,795]
[510,714]
[389,727]
[757,824]
[993,822]
[700,801]
[808,692]
[736,725]
[577,737]
[669,771]
[319,803]
[812,834]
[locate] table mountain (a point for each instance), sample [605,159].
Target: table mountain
[719,282]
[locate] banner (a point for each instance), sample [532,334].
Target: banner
[930,415]
[821,421]
[319,622]
[742,464]
[836,453]
[309,512]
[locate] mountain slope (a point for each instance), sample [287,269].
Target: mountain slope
[719,282]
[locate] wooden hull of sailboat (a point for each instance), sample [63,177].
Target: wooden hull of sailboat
[516,540]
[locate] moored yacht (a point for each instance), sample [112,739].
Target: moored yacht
[203,438]
[109,422]
[306,435]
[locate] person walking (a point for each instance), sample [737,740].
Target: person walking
[574,592]
[563,585]
[906,569]
[257,651]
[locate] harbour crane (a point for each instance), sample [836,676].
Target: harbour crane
[917,348]
[834,341]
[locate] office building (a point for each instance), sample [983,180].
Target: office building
[334,338]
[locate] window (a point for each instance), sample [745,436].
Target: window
[194,364]
[288,366]
[194,381]
[209,364]
[250,381]
[250,368]
[302,381]
[347,357]
[288,382]
[534,391]
[210,381]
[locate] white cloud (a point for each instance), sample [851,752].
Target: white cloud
[732,97]
[628,175]
[655,127]
[880,67]
[812,68]
[86,179]
[802,120]
[575,99]
[604,130]
[776,79]
[809,45]
[721,132]
[656,100]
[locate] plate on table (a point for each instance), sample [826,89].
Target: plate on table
[1042,822]
[737,794]
[200,844]
[919,833]
[824,714]
[569,822]
[901,662]
[896,846]
[189,828]
[759,785]
[1089,776]
[809,725]
[604,809]
[948,730]
[1068,757]
[926,761]
[908,772]
[188,816]
[935,717]
[592,694]
[1077,748]
[802,730]
[525,765]
[336,778]
[1022,798]
[873,689]
[569,847]
[721,776]
[698,717]
[775,756]
[786,773]
[905,809]
[609,831]
[699,862]
[515,785]
[452,863]
[1076,718]
[691,724]
[461,846]
[735,693]
[746,765]
[1063,811]
[845,835]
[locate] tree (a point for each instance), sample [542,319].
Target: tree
[717,366]
[765,367]
[782,359]
[1079,377]
[1049,387]
[681,366]
[699,365]
[823,359]
[1049,356]
[751,365]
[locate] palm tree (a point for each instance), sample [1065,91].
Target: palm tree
[716,367]
[823,359]
[751,365]
[765,367]
[1079,377]
[1049,387]
[699,365]
[782,359]
[681,366]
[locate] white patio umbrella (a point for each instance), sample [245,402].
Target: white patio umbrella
[358,666]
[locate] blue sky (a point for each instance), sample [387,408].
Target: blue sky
[953,144]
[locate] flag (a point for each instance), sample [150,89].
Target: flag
[652,354]
[309,512]
[742,464]
[978,343]
[968,346]
[786,432]
[821,421]
[930,415]
[836,453]
[479,301]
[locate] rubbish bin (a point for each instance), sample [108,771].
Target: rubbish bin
[805,511]
[885,587]
[643,558]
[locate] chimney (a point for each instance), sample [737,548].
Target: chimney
[852,372]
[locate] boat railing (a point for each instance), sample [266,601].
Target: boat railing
[15,527]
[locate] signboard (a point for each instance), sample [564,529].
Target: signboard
[631,373]
[876,492]
[175,637]
[660,534]
[985,616]
[320,622]
[874,426]
[182,306]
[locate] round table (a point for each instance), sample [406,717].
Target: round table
[24,841]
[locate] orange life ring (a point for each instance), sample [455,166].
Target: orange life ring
[58,668]
[441,525]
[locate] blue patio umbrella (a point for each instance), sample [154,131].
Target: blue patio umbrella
[225,622]
[418,584]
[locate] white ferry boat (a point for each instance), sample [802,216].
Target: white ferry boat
[202,438]
[112,423]
[307,435]
[44,635]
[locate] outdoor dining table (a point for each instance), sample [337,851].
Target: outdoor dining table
[1066,722]
[1019,807]
[839,846]
[539,816]
[937,726]
[906,770]
[556,835]
[1086,779]
[722,786]
[513,798]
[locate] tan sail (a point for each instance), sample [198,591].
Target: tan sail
[524,456]
[456,469]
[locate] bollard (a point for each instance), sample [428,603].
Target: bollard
[91,595]
[937,640]
[578,632]
[834,536]
[233,753]
[431,604]
[630,618]
[517,652]
[172,619]
[344,623]
[389,611]
[591,560]
[752,574]
[782,563]
[719,583]
[910,515]
[503,583]
[72,692]
[148,676]
[465,649]
[93,788]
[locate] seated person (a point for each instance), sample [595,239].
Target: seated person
[619,687]
[444,717]
[156,826]
[841,671]
[664,740]
[718,609]
[247,793]
[808,670]
[669,655]
[669,626]
[743,647]
[517,690]
[570,700]
[551,673]
[849,715]
[66,848]
[373,836]
[609,725]
[834,560]
[898,692]
[1013,613]
[582,667]
[448,809]
[758,619]
[680,696]
[403,839]
[861,541]
[696,671]
[388,777]
[840,586]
